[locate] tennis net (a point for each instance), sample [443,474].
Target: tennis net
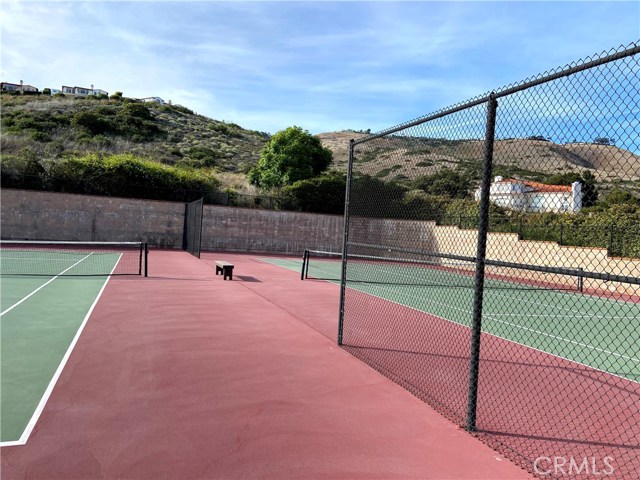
[49,258]
[435,270]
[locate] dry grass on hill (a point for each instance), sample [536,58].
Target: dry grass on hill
[403,157]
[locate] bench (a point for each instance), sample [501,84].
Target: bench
[225,268]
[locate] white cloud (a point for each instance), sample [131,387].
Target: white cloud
[268,65]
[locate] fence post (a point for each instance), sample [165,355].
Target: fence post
[520,234]
[305,257]
[483,227]
[580,279]
[345,242]
[185,227]
[611,235]
[146,259]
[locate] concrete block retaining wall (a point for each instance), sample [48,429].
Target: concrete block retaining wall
[61,216]
[35,215]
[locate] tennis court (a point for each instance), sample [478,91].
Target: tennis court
[542,333]
[564,323]
[49,290]
[184,375]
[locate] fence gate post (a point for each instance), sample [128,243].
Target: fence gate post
[483,228]
[345,242]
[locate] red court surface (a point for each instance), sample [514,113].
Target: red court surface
[183,375]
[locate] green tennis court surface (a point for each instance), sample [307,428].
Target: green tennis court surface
[40,318]
[561,323]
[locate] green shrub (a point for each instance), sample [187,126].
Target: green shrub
[22,171]
[219,128]
[137,110]
[133,121]
[447,182]
[365,187]
[386,171]
[202,157]
[424,163]
[130,176]
[176,108]
[19,121]
[40,136]
[615,228]
[92,122]
[618,197]
[322,194]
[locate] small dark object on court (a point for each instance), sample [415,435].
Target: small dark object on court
[225,268]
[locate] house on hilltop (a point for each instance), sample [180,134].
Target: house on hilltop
[537,197]
[82,91]
[153,99]
[17,87]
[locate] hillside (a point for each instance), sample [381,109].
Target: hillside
[608,160]
[406,158]
[52,127]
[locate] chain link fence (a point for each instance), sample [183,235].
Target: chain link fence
[192,232]
[491,265]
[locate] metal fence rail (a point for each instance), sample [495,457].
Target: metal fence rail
[527,185]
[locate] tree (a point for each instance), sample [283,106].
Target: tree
[618,197]
[366,187]
[451,183]
[323,194]
[290,155]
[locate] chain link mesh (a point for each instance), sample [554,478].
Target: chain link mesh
[553,378]
[192,235]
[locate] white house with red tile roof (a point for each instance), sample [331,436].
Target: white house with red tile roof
[530,196]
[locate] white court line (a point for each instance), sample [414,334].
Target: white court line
[491,317]
[43,285]
[496,336]
[494,317]
[47,393]
[33,259]
[637,360]
[533,315]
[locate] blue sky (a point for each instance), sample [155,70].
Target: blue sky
[324,66]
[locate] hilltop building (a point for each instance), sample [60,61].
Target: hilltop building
[530,196]
[82,91]
[153,99]
[17,87]
[67,90]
